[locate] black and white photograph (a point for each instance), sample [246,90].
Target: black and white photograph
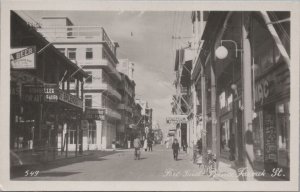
[154,95]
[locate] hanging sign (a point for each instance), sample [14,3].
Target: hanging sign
[95,114]
[177,119]
[66,97]
[23,58]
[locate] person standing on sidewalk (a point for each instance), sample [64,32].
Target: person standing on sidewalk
[175,147]
[150,142]
[137,145]
[145,144]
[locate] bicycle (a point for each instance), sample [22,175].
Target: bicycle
[137,154]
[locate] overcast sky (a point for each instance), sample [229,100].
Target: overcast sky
[146,39]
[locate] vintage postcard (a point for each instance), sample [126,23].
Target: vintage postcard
[149,95]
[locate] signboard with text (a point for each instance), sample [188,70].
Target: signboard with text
[69,98]
[95,114]
[39,93]
[23,58]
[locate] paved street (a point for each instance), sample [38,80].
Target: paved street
[120,166]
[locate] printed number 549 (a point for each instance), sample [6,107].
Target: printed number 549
[29,173]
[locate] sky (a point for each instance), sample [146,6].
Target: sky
[145,38]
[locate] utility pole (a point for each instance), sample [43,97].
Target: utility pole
[203,102]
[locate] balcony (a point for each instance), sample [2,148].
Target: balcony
[77,34]
[70,99]
[102,114]
[111,91]
[104,63]
[110,113]
[125,107]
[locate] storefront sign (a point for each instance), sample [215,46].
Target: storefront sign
[69,98]
[262,91]
[272,86]
[95,114]
[177,119]
[39,93]
[23,58]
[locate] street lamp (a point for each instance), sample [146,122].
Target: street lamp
[222,52]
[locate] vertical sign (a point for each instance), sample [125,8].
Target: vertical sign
[270,141]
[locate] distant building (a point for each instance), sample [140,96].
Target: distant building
[126,67]
[146,115]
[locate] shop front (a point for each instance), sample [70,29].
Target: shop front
[41,115]
[271,119]
[230,112]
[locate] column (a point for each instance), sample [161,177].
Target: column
[195,116]
[247,95]
[203,102]
[101,132]
[213,109]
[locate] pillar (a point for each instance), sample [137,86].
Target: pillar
[247,96]
[213,109]
[203,103]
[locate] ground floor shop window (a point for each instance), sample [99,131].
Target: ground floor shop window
[258,144]
[283,131]
[72,136]
[227,139]
[24,134]
[92,133]
[225,135]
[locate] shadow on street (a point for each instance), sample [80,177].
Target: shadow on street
[19,171]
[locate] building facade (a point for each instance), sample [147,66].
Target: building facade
[93,50]
[44,113]
[126,131]
[244,77]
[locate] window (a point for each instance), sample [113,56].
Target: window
[89,53]
[89,79]
[88,101]
[72,53]
[92,133]
[62,50]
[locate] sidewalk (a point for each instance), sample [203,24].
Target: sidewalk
[18,171]
[226,172]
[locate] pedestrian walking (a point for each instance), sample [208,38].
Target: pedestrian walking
[175,147]
[137,145]
[232,149]
[145,144]
[184,145]
[150,142]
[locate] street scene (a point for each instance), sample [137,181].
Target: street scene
[157,165]
[149,95]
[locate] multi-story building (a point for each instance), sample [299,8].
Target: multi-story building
[182,101]
[125,131]
[91,48]
[45,115]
